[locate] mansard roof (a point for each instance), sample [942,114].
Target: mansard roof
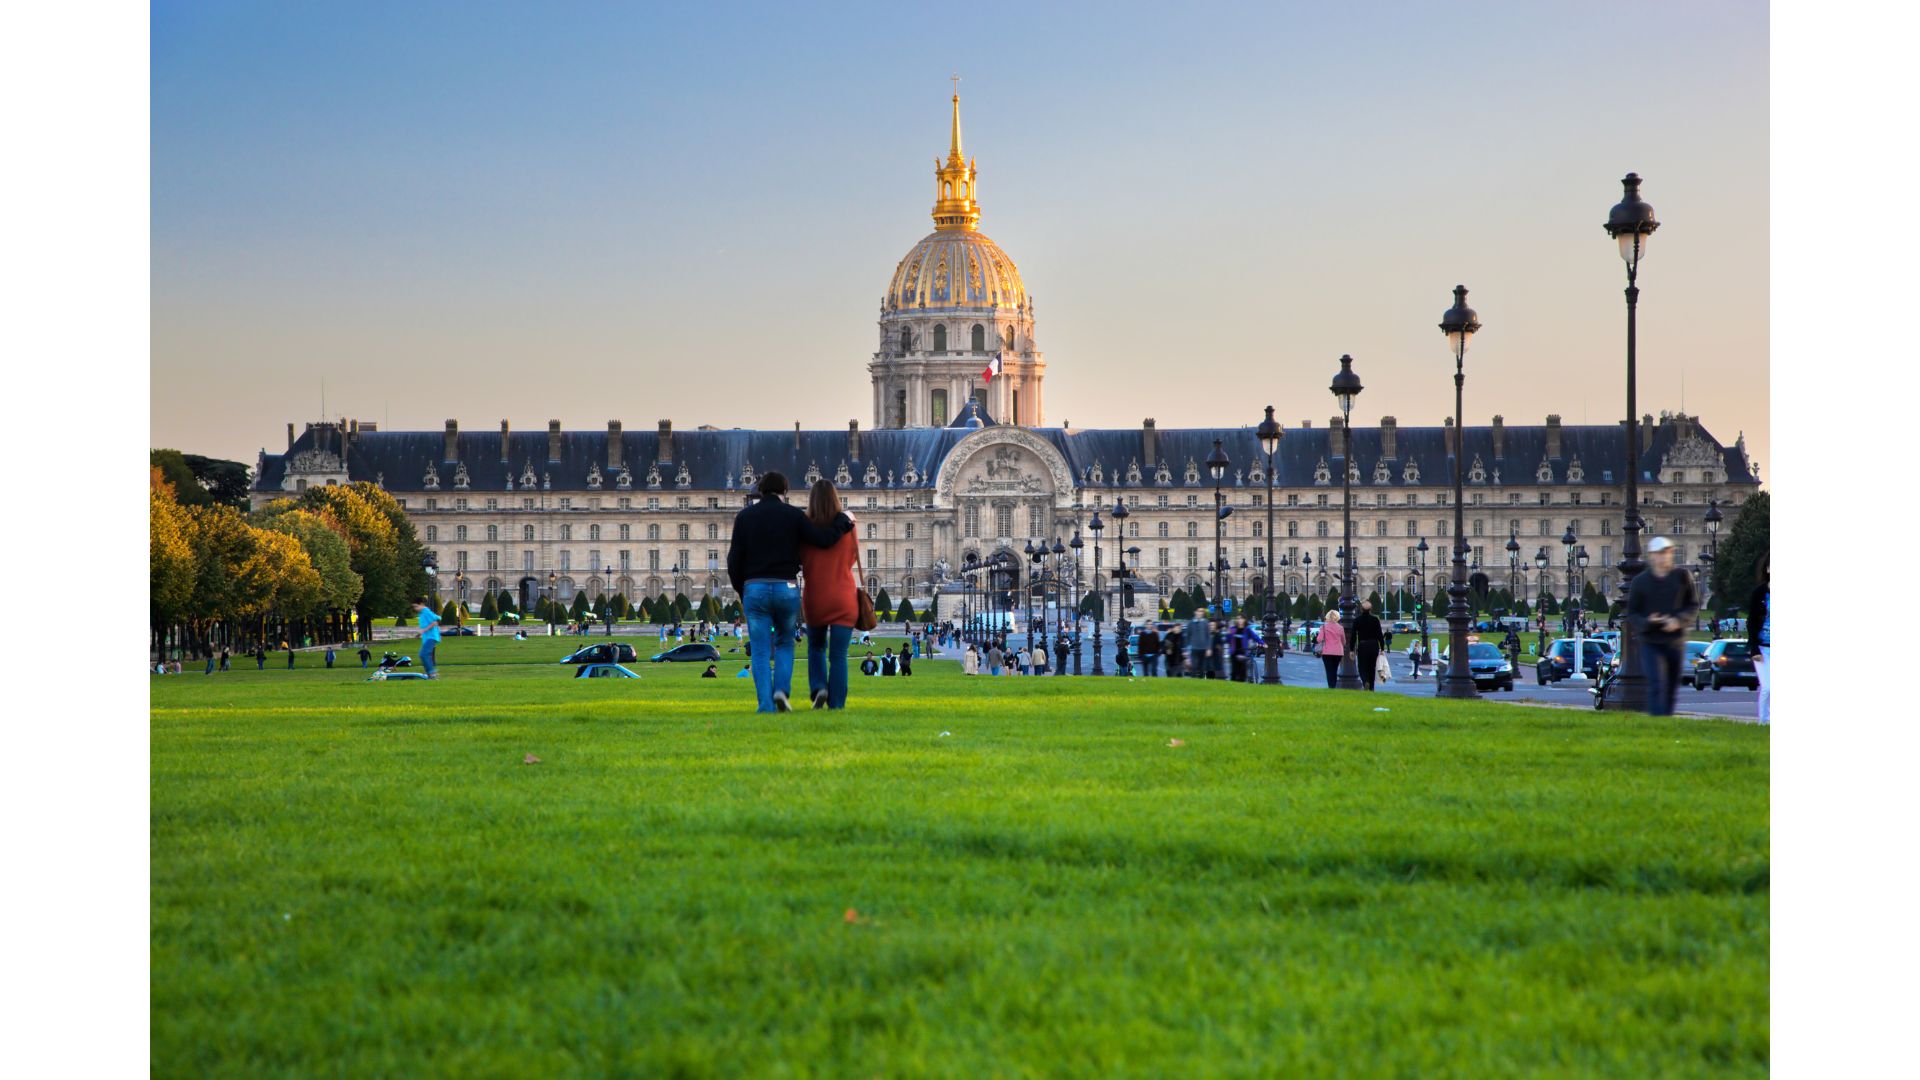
[719,460]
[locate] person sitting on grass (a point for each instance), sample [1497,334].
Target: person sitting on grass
[712,672]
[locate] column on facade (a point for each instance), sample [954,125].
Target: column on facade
[917,408]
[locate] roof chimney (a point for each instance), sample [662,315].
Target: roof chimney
[1499,437]
[1389,437]
[453,440]
[1306,423]
[796,436]
[853,440]
[665,452]
[553,441]
[1450,434]
[1553,435]
[506,438]
[1149,443]
[1646,433]
[1336,437]
[614,449]
[289,438]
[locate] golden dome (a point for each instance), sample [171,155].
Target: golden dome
[956,265]
[956,269]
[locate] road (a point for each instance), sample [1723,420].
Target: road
[1304,670]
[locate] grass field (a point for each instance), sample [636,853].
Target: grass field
[953,877]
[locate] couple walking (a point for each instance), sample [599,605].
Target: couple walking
[772,543]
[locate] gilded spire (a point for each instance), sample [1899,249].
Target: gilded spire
[953,185]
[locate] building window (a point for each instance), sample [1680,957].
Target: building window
[979,338]
[433,533]
[493,560]
[593,532]
[1193,556]
[1320,528]
[1257,527]
[1293,528]
[1479,526]
[566,532]
[566,560]
[1413,528]
[937,408]
[653,559]
[526,562]
[459,532]
[1003,520]
[1163,556]
[713,530]
[1321,500]
[493,532]
[1379,528]
[971,518]
[873,554]
[939,339]
[1379,556]
[626,560]
[566,503]
[1193,528]
[626,532]
[1036,522]
[683,531]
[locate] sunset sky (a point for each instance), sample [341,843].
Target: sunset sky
[589,212]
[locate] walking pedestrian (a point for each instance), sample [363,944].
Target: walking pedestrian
[226,658]
[260,657]
[1661,604]
[329,657]
[1149,652]
[364,656]
[428,621]
[1367,642]
[830,600]
[1333,645]
[1239,648]
[1760,626]
[1199,637]
[762,564]
[289,647]
[995,658]
[208,649]
[970,661]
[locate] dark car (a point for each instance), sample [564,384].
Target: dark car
[605,652]
[1489,666]
[461,631]
[1726,662]
[688,653]
[1694,651]
[1557,664]
[603,671]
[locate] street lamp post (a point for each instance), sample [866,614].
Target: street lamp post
[1028,591]
[1096,526]
[1459,324]
[1119,516]
[1714,518]
[1270,434]
[1217,467]
[606,596]
[1540,560]
[1074,600]
[1631,223]
[1574,554]
[553,597]
[1345,387]
[1420,604]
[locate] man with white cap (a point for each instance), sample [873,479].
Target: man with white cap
[1660,607]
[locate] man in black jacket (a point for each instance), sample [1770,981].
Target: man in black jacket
[1661,604]
[763,564]
[1367,641]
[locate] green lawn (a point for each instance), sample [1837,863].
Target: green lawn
[364,879]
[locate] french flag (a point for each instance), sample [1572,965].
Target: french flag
[993,368]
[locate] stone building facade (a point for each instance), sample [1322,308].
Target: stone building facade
[939,481]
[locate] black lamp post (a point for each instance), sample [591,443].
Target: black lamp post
[1096,526]
[1270,433]
[1459,324]
[1074,599]
[1346,386]
[1575,628]
[606,596]
[1420,604]
[1060,585]
[1631,223]
[1034,559]
[553,597]
[1217,467]
[1119,516]
[1513,569]
[1541,560]
[1714,518]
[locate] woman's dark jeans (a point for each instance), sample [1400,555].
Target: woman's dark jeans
[1661,662]
[827,663]
[1333,669]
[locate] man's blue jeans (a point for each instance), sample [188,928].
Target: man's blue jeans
[773,611]
[827,663]
[426,655]
[1661,663]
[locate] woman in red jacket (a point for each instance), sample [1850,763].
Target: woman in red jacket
[828,601]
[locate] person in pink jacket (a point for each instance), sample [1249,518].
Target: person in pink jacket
[1333,645]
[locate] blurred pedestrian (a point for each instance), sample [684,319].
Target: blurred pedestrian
[1333,645]
[1760,626]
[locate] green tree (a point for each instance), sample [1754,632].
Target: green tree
[172,567]
[340,586]
[226,483]
[178,475]
[882,603]
[451,613]
[505,603]
[1180,603]
[1373,598]
[1738,560]
[579,609]
[1198,595]
[489,611]
[380,538]
[905,612]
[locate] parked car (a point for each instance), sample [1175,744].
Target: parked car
[605,652]
[1695,649]
[1402,626]
[603,671]
[1557,664]
[689,653]
[1490,667]
[1726,662]
[460,631]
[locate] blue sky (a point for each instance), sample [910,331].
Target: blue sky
[592,212]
